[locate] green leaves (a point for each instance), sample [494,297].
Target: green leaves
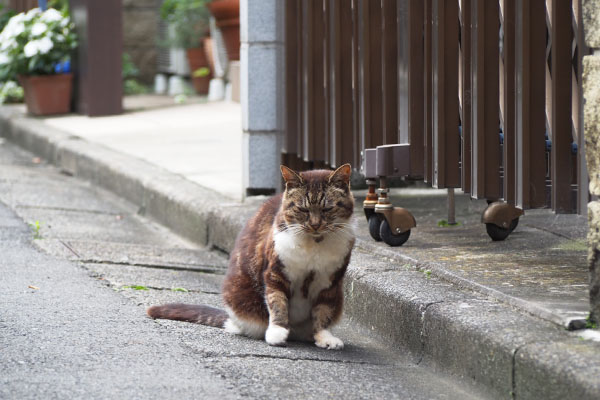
[33,43]
[135,287]
[445,224]
[189,21]
[36,226]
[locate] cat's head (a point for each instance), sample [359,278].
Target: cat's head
[317,202]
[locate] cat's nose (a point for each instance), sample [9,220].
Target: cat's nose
[315,225]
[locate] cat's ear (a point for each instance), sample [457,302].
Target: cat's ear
[341,176]
[291,178]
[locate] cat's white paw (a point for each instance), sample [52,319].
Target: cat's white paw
[326,340]
[276,335]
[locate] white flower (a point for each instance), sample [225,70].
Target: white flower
[7,44]
[14,27]
[4,59]
[40,46]
[31,49]
[51,15]
[45,44]
[31,14]
[38,28]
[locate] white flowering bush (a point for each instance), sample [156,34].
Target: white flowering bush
[34,43]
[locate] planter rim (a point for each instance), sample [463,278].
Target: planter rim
[49,76]
[224,9]
[228,22]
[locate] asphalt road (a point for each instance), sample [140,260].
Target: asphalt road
[79,266]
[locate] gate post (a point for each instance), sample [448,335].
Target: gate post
[262,94]
[591,111]
[98,79]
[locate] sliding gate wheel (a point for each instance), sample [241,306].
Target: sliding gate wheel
[390,238]
[498,233]
[374,227]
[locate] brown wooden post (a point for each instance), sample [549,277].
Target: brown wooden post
[466,96]
[508,99]
[98,80]
[341,122]
[292,88]
[445,144]
[389,71]
[371,127]
[485,178]
[313,90]
[22,5]
[562,36]
[356,89]
[428,91]
[530,117]
[410,83]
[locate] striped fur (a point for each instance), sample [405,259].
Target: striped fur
[198,314]
[285,274]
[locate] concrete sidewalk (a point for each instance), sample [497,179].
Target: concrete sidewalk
[200,141]
[495,312]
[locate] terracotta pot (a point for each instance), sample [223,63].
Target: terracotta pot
[197,59]
[47,94]
[227,14]
[225,9]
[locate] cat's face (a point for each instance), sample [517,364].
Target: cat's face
[317,202]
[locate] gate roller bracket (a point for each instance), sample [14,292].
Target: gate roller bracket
[500,219]
[386,222]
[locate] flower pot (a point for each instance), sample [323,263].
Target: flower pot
[227,14]
[197,59]
[47,94]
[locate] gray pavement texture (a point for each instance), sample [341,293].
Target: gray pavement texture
[491,314]
[73,323]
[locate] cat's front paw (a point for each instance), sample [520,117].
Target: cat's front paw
[276,335]
[326,340]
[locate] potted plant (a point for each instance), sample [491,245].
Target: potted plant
[189,24]
[35,48]
[227,14]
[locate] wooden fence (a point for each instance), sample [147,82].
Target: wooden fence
[484,95]
[22,5]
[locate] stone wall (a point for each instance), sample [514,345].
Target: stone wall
[140,30]
[591,117]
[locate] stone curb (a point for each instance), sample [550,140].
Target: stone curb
[477,338]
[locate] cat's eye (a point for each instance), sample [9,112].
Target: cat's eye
[327,209]
[302,209]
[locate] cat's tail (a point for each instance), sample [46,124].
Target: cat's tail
[197,314]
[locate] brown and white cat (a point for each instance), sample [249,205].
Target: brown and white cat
[285,273]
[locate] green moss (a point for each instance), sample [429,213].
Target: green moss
[445,224]
[135,287]
[574,245]
[590,324]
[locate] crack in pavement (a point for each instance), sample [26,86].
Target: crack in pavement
[422,333]
[65,209]
[513,391]
[290,358]
[184,291]
[203,268]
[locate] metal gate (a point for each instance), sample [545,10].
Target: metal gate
[481,95]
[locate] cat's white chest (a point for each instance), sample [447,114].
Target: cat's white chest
[302,257]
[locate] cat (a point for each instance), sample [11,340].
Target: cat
[285,274]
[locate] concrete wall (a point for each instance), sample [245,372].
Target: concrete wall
[140,30]
[262,94]
[591,116]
